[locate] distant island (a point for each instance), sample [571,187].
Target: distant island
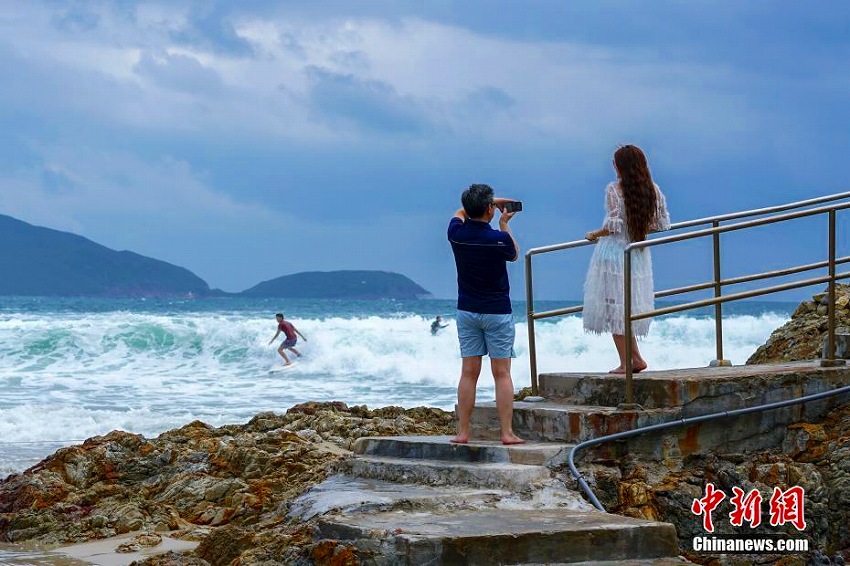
[339,285]
[39,261]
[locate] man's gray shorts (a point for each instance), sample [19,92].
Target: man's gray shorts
[486,335]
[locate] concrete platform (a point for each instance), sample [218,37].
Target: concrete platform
[346,494]
[697,391]
[499,475]
[558,422]
[641,562]
[439,448]
[548,536]
[583,406]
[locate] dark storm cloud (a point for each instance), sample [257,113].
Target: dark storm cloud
[367,104]
[76,19]
[179,72]
[211,25]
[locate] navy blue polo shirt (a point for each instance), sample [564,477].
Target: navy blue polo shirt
[481,254]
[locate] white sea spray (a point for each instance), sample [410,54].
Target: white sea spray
[66,376]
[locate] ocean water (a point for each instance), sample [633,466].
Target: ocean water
[75,368]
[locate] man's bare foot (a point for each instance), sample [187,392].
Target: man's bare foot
[460,439]
[512,439]
[288,364]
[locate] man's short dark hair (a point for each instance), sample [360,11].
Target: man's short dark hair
[278,315]
[476,199]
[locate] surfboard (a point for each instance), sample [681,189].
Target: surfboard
[281,367]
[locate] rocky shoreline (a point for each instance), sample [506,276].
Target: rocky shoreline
[226,487]
[230,488]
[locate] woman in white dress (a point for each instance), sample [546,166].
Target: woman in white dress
[634,206]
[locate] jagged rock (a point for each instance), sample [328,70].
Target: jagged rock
[172,558]
[227,487]
[802,337]
[139,542]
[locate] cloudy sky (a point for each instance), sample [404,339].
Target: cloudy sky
[248,140]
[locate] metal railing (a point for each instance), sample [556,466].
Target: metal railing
[716,284]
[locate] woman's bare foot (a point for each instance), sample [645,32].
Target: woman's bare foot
[511,438]
[636,368]
[460,439]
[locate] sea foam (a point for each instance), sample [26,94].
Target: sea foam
[68,377]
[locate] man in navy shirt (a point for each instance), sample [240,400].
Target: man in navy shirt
[484,321]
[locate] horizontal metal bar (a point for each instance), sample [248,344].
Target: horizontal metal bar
[781,272]
[738,296]
[748,278]
[706,220]
[760,211]
[556,247]
[558,312]
[682,290]
[703,286]
[738,226]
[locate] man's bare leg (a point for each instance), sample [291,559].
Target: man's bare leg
[283,355]
[501,368]
[469,372]
[296,352]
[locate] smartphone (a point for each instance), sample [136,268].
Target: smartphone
[513,206]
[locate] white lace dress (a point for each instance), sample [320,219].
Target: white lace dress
[603,288]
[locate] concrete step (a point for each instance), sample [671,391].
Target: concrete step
[342,493]
[557,422]
[500,475]
[696,391]
[677,561]
[439,448]
[491,537]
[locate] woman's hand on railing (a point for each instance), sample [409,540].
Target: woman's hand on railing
[596,234]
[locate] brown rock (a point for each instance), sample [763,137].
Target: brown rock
[333,553]
[224,545]
[805,442]
[139,542]
[803,309]
[802,337]
[172,558]
[235,480]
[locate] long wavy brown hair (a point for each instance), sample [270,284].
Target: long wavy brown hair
[638,190]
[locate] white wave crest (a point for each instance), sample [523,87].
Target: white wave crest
[73,376]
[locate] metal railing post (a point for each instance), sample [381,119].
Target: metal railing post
[627,329]
[718,308]
[830,360]
[529,305]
